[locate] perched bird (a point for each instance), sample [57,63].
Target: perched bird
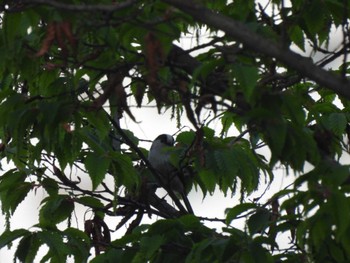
[159,158]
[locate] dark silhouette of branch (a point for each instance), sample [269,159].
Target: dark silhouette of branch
[240,32]
[86,8]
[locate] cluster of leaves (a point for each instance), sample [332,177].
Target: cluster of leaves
[67,70]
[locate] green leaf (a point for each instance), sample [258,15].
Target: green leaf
[8,236]
[148,247]
[276,131]
[247,76]
[186,137]
[115,255]
[333,176]
[339,206]
[336,252]
[28,248]
[163,227]
[124,170]
[97,166]
[58,251]
[94,142]
[247,167]
[55,210]
[209,180]
[206,68]
[319,229]
[78,243]
[208,132]
[50,185]
[232,213]
[10,199]
[297,36]
[190,221]
[258,221]
[292,104]
[257,253]
[90,202]
[99,120]
[315,17]
[337,123]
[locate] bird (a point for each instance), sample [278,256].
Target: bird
[170,176]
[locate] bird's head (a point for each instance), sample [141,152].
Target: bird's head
[165,139]
[159,145]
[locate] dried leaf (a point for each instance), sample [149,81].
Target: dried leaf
[121,100]
[115,88]
[88,227]
[154,59]
[61,32]
[66,28]
[98,231]
[115,83]
[113,80]
[48,41]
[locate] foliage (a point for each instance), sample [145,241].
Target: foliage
[67,71]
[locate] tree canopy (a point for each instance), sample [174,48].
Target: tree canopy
[276,71]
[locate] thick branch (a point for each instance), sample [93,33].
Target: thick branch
[255,42]
[87,8]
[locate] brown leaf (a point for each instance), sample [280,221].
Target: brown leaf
[122,100]
[88,227]
[99,232]
[186,101]
[66,28]
[154,60]
[114,88]
[48,40]
[107,90]
[61,32]
[115,83]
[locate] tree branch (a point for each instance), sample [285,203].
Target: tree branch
[260,44]
[86,8]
